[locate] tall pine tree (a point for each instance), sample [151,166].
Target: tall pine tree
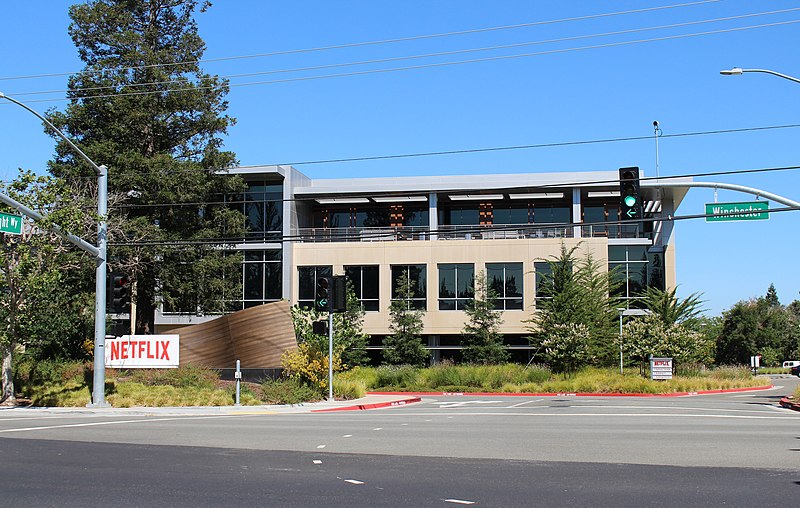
[143,107]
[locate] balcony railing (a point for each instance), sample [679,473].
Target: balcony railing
[460,232]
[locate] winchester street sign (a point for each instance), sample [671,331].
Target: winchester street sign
[721,212]
[10,224]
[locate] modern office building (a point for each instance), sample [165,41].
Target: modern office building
[442,231]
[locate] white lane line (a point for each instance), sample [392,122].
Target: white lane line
[355,482]
[458,501]
[317,462]
[348,435]
[685,408]
[378,428]
[768,415]
[521,404]
[319,447]
[117,422]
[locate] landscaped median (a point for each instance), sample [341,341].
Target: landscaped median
[514,379]
[67,384]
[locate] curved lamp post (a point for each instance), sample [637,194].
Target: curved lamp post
[738,70]
[99,253]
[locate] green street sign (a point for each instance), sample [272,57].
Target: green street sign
[10,224]
[723,212]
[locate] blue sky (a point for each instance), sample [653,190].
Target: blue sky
[564,95]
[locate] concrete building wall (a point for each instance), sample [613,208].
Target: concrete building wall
[433,252]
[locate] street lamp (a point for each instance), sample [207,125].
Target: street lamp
[99,253]
[738,70]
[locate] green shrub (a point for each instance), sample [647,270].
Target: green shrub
[289,391]
[348,388]
[401,376]
[186,376]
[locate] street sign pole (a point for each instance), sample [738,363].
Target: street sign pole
[330,356]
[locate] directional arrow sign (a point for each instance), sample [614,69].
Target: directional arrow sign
[10,224]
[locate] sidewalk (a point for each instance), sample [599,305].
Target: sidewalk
[370,401]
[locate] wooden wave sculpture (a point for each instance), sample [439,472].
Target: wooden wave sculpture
[257,336]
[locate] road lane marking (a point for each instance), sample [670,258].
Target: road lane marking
[355,482]
[460,403]
[319,447]
[458,501]
[117,422]
[521,404]
[348,435]
[317,462]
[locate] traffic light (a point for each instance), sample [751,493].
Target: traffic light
[322,301]
[630,201]
[120,296]
[339,294]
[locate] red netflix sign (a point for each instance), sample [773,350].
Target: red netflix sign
[142,352]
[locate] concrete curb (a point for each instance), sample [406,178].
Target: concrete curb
[579,394]
[377,405]
[788,403]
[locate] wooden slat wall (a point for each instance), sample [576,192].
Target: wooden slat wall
[257,336]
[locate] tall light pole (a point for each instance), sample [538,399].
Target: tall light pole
[738,70]
[99,253]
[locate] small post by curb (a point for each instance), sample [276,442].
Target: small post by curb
[238,376]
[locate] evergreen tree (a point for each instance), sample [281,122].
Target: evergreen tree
[143,107]
[404,346]
[576,292]
[481,339]
[772,296]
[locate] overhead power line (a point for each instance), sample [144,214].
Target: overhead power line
[233,242]
[430,65]
[420,56]
[384,41]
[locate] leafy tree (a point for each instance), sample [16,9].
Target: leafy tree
[650,335]
[576,291]
[39,308]
[754,327]
[405,346]
[143,107]
[349,340]
[566,347]
[481,339]
[669,308]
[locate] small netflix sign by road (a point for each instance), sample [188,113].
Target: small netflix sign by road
[142,352]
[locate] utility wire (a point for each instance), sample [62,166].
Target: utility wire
[412,57]
[543,186]
[425,66]
[378,42]
[481,150]
[233,242]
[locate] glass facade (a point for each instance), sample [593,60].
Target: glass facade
[262,206]
[307,283]
[364,280]
[456,283]
[506,281]
[262,278]
[635,268]
[543,272]
[417,275]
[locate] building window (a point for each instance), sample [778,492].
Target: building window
[262,278]
[262,206]
[365,284]
[307,283]
[417,276]
[633,270]
[506,281]
[456,283]
[544,274]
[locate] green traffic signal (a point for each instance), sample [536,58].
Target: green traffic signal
[630,200]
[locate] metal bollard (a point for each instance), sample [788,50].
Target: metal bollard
[238,376]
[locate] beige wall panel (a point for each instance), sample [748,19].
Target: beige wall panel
[432,253]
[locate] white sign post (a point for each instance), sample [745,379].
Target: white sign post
[142,352]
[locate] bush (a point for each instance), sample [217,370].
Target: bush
[187,376]
[288,391]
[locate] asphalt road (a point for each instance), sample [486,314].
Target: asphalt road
[733,449]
